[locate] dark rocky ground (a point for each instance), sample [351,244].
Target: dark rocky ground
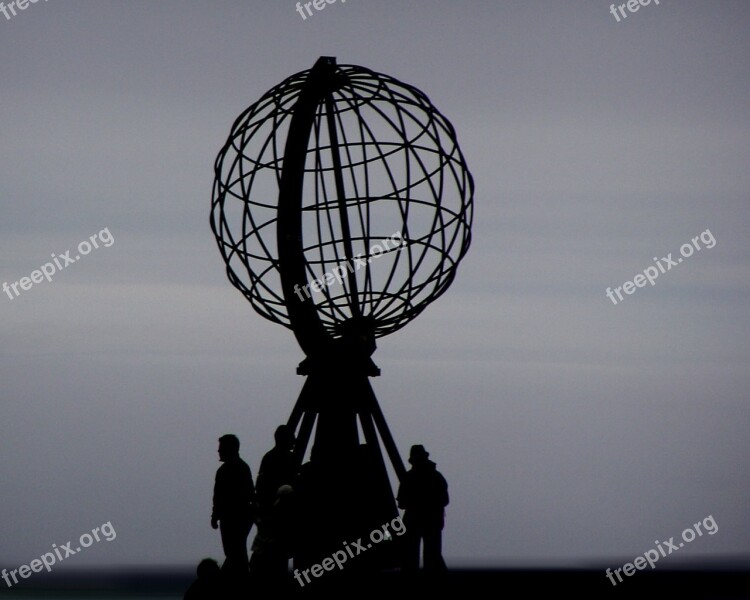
[730,582]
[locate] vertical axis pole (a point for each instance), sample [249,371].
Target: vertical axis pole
[385,433]
[346,234]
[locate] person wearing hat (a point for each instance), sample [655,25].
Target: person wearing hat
[423,495]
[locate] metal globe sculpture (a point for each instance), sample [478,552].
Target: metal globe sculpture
[380,164]
[342,206]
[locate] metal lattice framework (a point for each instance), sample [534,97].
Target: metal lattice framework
[386,202]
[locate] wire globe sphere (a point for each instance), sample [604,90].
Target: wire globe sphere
[387,202]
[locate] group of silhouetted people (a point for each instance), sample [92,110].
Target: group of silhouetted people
[283,506]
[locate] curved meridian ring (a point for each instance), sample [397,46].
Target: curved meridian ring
[359,222]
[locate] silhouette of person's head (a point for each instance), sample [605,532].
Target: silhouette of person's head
[284,437]
[208,570]
[418,455]
[229,447]
[208,583]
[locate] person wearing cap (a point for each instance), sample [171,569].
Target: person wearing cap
[423,495]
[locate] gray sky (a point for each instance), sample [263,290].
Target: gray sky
[571,430]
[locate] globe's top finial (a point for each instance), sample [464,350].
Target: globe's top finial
[342,204]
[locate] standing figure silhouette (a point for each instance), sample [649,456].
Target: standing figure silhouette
[423,495]
[275,517]
[233,510]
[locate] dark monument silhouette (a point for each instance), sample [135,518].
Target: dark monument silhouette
[342,206]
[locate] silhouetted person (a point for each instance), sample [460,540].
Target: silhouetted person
[233,505]
[423,494]
[277,467]
[278,471]
[276,540]
[208,584]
